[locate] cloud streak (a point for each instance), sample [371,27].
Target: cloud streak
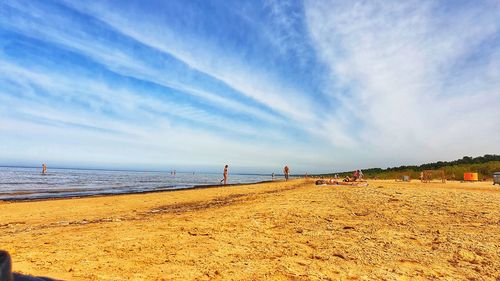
[402,70]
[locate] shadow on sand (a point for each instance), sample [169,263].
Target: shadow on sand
[6,273]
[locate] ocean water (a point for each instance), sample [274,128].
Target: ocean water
[30,183]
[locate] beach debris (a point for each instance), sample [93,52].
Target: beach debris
[193,233]
[467,256]
[348,227]
[319,257]
[339,256]
[199,205]
[12,224]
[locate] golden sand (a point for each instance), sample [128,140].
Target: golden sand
[280,231]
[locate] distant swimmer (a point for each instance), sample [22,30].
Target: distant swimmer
[225,175]
[44,168]
[286,171]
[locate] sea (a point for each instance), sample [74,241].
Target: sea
[30,184]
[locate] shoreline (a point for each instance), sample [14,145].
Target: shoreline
[156,190]
[203,186]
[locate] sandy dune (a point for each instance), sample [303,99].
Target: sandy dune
[281,231]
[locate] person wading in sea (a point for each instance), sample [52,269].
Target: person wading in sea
[225,175]
[286,171]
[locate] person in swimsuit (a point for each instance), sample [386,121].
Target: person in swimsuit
[286,171]
[225,175]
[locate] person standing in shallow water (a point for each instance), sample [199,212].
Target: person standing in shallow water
[286,171]
[225,175]
[44,168]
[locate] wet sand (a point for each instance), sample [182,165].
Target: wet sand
[282,231]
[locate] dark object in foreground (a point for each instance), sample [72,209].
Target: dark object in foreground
[6,273]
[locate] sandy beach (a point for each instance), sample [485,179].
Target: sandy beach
[279,231]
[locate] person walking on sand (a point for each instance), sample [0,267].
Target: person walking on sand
[286,171]
[225,175]
[44,168]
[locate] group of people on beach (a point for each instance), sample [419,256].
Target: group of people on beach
[286,173]
[355,180]
[357,175]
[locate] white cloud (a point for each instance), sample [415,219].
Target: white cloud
[120,60]
[391,65]
[98,140]
[137,110]
[258,84]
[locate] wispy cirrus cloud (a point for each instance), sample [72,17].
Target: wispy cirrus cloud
[260,85]
[101,83]
[414,78]
[125,57]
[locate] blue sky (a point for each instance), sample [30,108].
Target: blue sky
[192,85]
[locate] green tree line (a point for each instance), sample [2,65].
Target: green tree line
[485,166]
